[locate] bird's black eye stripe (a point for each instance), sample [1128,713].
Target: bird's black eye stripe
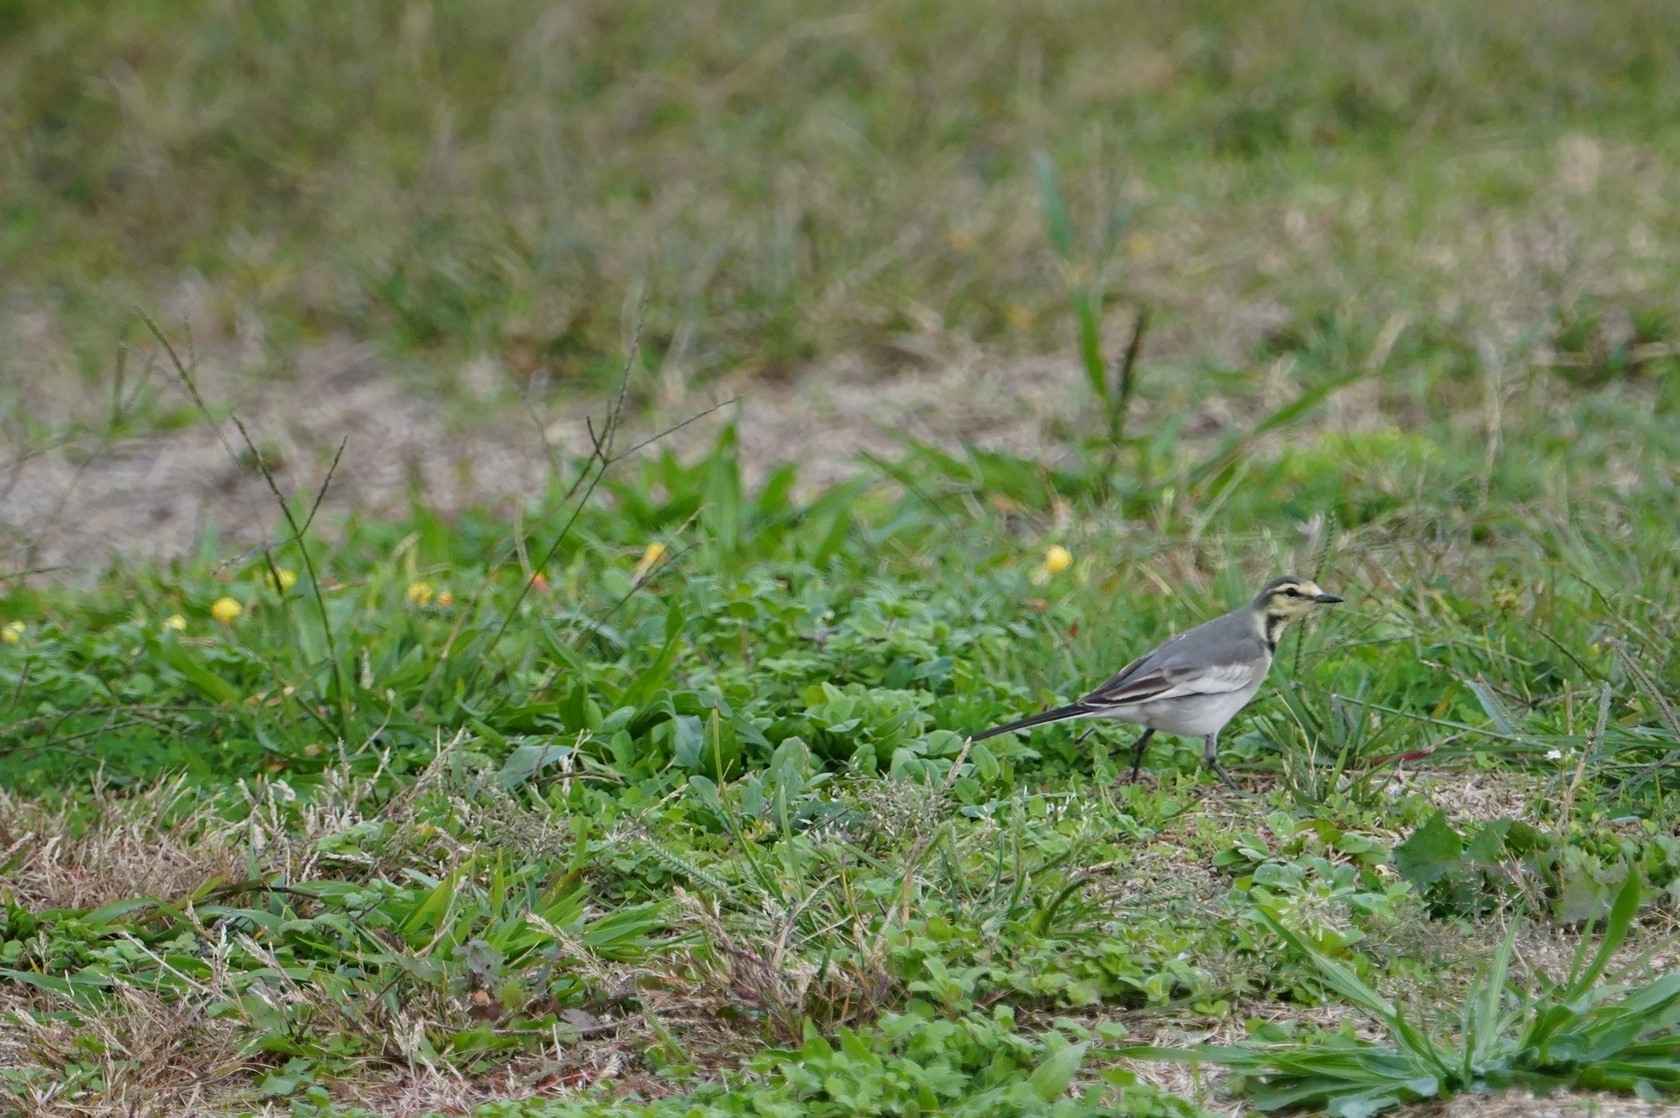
[1291,592]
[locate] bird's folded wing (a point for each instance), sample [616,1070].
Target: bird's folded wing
[1169,681]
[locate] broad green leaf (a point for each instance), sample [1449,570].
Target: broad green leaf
[1050,1079]
[212,686]
[526,762]
[1434,852]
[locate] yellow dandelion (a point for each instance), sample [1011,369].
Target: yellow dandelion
[176,622]
[280,578]
[12,632]
[420,593]
[1056,560]
[225,610]
[650,559]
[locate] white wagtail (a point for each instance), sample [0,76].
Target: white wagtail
[1197,681]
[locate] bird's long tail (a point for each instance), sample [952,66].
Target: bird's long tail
[1072,710]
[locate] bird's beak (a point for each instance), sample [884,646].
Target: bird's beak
[1327,599]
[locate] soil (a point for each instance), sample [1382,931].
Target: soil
[76,500]
[69,509]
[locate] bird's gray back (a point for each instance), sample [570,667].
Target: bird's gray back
[1224,640]
[1230,639]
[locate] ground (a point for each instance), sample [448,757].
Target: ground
[520,782]
[154,497]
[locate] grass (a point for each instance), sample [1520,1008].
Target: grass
[651,795]
[1570,1034]
[792,188]
[685,813]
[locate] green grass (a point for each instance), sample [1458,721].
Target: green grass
[729,773]
[1571,1034]
[791,187]
[652,796]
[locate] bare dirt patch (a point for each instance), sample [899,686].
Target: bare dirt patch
[69,509]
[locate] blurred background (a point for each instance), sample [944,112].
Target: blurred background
[433,228]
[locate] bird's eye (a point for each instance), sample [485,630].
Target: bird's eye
[1291,592]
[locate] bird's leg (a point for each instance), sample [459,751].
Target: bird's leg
[1210,756]
[1137,751]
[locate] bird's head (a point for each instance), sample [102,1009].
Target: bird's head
[1287,598]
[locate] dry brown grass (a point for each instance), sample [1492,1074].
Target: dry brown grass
[170,840]
[165,841]
[140,1054]
[1521,1104]
[190,1053]
[147,1056]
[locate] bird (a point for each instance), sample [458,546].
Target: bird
[1194,683]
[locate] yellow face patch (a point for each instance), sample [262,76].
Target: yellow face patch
[1292,597]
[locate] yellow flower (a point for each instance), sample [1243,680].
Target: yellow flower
[280,578]
[420,593]
[175,621]
[445,599]
[12,632]
[650,558]
[1056,560]
[225,610]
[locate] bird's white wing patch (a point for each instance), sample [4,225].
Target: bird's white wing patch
[1218,679]
[1175,683]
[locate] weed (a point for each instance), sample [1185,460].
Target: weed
[1569,1033]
